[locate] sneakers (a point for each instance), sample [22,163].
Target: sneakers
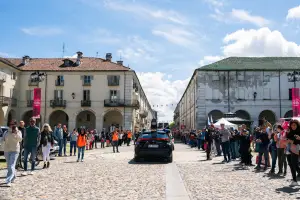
[48,164]
[294,183]
[8,184]
[45,166]
[279,173]
[24,174]
[82,160]
[31,173]
[77,160]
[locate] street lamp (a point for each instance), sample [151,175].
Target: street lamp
[293,77]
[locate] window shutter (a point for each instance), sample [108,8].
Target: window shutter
[92,77]
[62,94]
[81,77]
[55,94]
[118,94]
[88,95]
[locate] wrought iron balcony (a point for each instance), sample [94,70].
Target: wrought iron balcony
[29,103]
[7,101]
[143,113]
[86,103]
[86,83]
[32,83]
[58,103]
[121,103]
[59,83]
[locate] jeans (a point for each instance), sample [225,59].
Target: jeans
[102,144]
[274,157]
[293,163]
[60,144]
[281,159]
[226,150]
[236,149]
[31,150]
[72,145]
[11,160]
[263,151]
[65,145]
[199,143]
[232,149]
[115,145]
[217,144]
[81,151]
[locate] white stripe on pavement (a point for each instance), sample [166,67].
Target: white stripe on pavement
[175,188]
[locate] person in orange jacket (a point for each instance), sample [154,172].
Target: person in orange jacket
[81,143]
[115,140]
[129,137]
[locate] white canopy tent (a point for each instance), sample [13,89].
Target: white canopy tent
[225,122]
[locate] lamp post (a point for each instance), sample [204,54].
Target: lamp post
[39,77]
[293,77]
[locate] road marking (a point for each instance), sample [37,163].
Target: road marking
[175,188]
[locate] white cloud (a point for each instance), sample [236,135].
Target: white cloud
[293,13]
[138,50]
[42,31]
[210,59]
[177,35]
[74,56]
[215,3]
[239,16]
[260,42]
[146,11]
[245,16]
[255,43]
[161,91]
[6,55]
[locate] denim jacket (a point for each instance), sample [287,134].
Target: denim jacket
[58,133]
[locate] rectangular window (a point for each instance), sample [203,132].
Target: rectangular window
[267,93]
[241,76]
[290,94]
[58,94]
[241,93]
[113,95]
[215,94]
[113,80]
[86,95]
[87,80]
[29,95]
[266,77]
[60,80]
[14,76]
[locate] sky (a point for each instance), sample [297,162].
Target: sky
[164,41]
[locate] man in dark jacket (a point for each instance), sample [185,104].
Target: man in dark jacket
[263,140]
[208,140]
[31,142]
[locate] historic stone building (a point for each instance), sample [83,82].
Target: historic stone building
[79,92]
[250,87]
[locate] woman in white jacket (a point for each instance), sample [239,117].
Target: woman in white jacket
[12,139]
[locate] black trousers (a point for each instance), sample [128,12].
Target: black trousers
[293,163]
[218,146]
[281,159]
[120,142]
[208,150]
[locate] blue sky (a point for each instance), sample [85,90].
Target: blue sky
[163,40]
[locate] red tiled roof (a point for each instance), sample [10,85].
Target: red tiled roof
[56,64]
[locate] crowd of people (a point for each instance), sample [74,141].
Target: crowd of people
[31,139]
[278,143]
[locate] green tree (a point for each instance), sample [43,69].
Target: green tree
[171,125]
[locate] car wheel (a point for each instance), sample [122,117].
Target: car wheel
[170,159]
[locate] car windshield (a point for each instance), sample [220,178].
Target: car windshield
[157,134]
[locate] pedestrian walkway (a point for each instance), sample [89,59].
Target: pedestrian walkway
[105,175]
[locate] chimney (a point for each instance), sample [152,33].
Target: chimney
[120,62]
[108,57]
[25,60]
[79,56]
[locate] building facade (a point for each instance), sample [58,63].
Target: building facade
[250,87]
[80,92]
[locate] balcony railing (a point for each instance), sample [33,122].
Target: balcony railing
[33,83]
[143,113]
[59,83]
[58,103]
[29,103]
[7,101]
[121,103]
[86,83]
[86,103]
